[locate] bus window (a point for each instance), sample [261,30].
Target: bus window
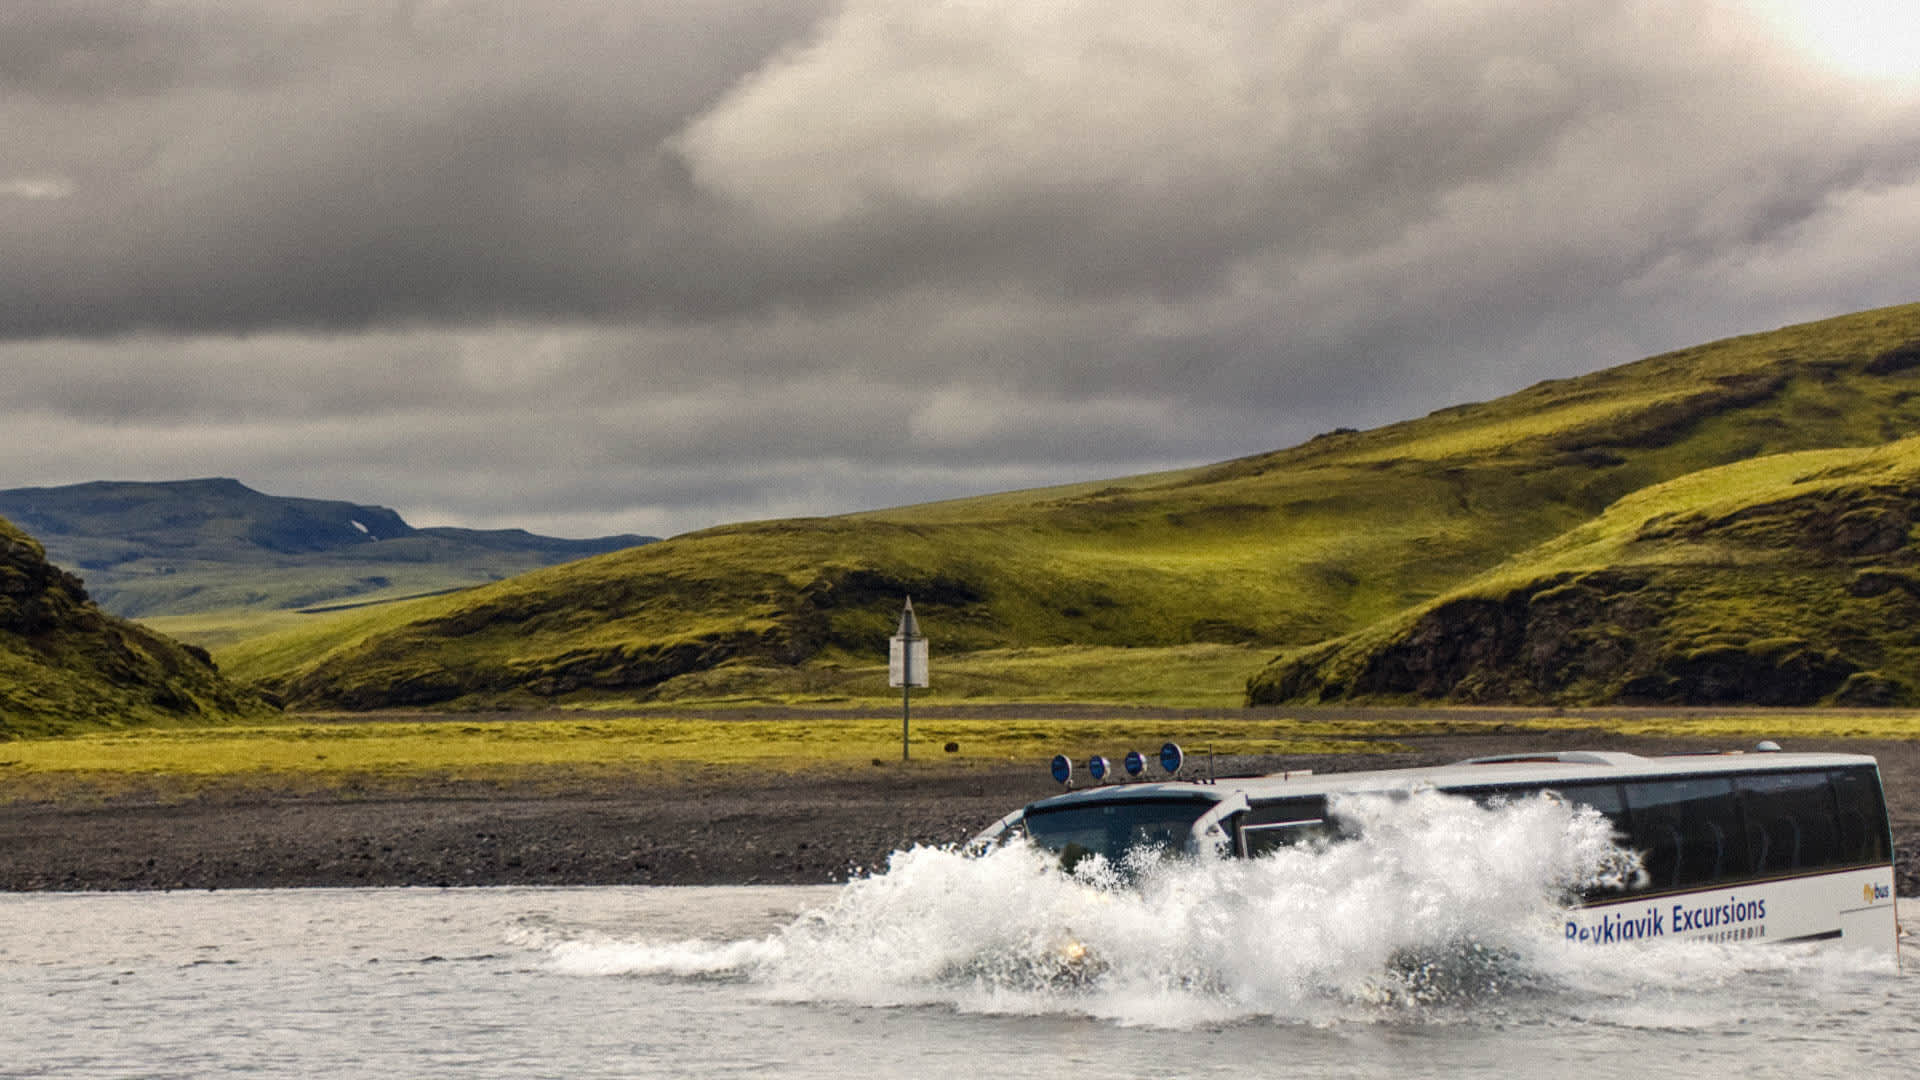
[1258,840]
[1271,826]
[1687,831]
[1863,816]
[1605,798]
[1114,828]
[1790,820]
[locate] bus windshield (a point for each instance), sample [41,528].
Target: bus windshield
[1111,829]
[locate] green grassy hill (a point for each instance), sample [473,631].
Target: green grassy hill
[1279,550]
[1791,579]
[66,666]
[217,558]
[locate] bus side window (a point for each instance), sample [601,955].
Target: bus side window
[1686,830]
[1270,826]
[1789,821]
[1261,839]
[1605,798]
[1863,816]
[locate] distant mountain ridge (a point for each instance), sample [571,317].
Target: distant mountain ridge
[178,547]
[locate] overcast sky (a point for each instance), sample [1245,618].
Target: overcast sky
[590,266]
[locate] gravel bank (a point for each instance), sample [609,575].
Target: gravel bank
[703,828]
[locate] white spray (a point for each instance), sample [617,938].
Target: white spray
[1438,902]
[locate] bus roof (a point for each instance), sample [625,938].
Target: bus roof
[1545,769]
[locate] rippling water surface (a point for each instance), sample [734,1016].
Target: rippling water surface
[1427,950]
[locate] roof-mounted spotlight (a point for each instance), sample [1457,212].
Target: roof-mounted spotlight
[1171,758]
[1062,769]
[1098,768]
[1136,763]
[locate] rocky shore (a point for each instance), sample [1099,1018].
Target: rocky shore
[718,827]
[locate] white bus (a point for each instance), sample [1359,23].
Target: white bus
[1763,846]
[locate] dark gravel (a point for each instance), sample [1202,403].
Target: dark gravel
[559,829]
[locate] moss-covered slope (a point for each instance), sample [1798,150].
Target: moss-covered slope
[1282,549]
[66,666]
[1786,580]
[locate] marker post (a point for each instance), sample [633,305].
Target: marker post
[907,668]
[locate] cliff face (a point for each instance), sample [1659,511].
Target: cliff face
[1592,639]
[67,666]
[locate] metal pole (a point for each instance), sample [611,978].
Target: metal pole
[904,641]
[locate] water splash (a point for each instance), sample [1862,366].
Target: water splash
[1440,905]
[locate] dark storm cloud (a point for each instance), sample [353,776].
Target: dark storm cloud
[262,167]
[80,50]
[662,266]
[245,167]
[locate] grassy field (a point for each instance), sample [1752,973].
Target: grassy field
[1276,551]
[322,753]
[1179,676]
[225,597]
[662,744]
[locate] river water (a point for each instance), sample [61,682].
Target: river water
[1429,950]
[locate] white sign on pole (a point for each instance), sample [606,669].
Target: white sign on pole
[907,668]
[907,662]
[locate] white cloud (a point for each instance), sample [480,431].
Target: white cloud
[1869,40]
[36,188]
